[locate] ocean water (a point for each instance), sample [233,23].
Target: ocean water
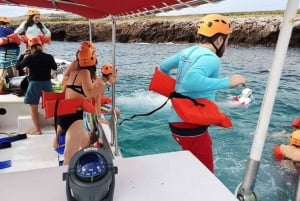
[150,134]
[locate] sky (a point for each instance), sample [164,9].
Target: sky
[221,7]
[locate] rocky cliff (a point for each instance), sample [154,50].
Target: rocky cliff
[246,31]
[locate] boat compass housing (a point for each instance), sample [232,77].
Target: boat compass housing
[90,176]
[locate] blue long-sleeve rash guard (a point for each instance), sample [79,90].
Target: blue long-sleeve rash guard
[198,74]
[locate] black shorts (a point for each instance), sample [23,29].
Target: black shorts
[187,130]
[65,121]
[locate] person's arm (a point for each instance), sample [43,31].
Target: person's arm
[53,63]
[170,63]
[72,67]
[20,29]
[91,88]
[204,75]
[46,31]
[21,62]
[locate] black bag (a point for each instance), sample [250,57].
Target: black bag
[18,85]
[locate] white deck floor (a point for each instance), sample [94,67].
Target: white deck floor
[161,177]
[35,175]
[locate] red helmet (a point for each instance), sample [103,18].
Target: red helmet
[107,69]
[87,44]
[86,57]
[35,41]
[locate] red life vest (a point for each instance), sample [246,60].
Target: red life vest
[65,106]
[296,123]
[11,38]
[198,111]
[44,40]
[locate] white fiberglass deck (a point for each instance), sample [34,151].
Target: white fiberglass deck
[161,177]
[16,109]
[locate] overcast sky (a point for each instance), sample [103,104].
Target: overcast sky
[224,6]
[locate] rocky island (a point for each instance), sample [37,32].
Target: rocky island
[247,30]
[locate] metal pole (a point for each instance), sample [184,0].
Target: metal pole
[90,30]
[114,135]
[246,190]
[297,192]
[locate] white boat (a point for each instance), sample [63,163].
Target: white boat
[170,176]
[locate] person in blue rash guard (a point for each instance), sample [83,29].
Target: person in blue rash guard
[198,76]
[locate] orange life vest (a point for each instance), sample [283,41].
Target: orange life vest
[11,38]
[42,37]
[198,111]
[52,102]
[296,123]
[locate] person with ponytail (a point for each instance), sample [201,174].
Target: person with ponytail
[81,82]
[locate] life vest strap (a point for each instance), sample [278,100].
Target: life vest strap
[197,111]
[178,95]
[145,114]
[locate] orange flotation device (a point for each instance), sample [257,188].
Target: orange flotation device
[197,111]
[105,100]
[11,38]
[162,83]
[56,103]
[296,123]
[277,153]
[43,38]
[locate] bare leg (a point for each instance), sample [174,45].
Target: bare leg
[15,71]
[76,139]
[1,84]
[2,78]
[35,119]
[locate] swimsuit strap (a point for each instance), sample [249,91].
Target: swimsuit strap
[76,88]
[75,77]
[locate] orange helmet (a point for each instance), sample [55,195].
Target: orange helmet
[295,138]
[87,44]
[34,41]
[106,69]
[33,11]
[86,57]
[4,19]
[212,24]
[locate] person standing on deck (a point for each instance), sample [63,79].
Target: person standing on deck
[38,66]
[81,82]
[33,27]
[9,50]
[198,70]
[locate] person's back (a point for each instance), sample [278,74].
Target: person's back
[38,65]
[81,82]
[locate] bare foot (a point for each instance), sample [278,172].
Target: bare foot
[34,132]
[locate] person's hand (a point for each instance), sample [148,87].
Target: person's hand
[113,77]
[236,80]
[26,51]
[26,70]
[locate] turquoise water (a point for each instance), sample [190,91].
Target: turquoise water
[150,135]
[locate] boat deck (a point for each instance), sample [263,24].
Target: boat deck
[17,118]
[167,176]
